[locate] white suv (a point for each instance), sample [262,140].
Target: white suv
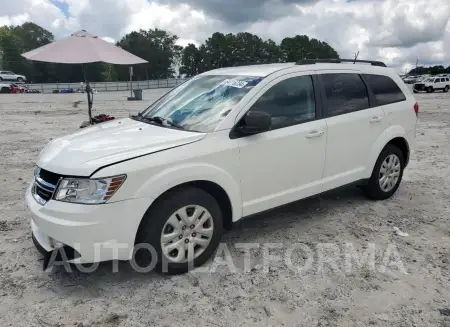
[226,144]
[10,76]
[432,84]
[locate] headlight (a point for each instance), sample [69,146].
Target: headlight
[88,191]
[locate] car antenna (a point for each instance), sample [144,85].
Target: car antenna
[356,57]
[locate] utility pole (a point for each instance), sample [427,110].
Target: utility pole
[417,63]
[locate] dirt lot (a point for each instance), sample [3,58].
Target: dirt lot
[381,295]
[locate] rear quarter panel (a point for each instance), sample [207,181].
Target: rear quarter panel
[402,113]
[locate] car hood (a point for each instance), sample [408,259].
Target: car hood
[81,153]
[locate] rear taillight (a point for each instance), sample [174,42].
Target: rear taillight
[416,109]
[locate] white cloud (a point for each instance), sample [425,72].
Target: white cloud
[108,39]
[395,31]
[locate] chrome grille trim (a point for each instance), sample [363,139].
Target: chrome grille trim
[42,190]
[43,184]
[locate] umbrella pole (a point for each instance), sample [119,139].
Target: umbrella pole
[89,98]
[88,92]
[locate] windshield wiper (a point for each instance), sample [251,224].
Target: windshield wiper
[159,120]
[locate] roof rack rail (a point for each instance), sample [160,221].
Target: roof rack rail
[254,63]
[338,61]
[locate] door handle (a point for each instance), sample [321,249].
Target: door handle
[376,119]
[315,134]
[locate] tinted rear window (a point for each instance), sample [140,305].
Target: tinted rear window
[345,93]
[385,89]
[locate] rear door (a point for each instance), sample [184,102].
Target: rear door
[8,75]
[353,126]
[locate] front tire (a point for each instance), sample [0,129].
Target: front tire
[19,79]
[184,228]
[430,89]
[387,174]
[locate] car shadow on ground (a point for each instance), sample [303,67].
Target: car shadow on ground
[249,230]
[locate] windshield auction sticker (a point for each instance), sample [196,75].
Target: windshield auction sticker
[234,83]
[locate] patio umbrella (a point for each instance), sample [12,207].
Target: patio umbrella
[82,48]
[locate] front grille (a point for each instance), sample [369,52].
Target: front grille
[44,185]
[419,86]
[48,176]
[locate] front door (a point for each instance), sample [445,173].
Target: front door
[285,163]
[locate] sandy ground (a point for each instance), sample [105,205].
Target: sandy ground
[384,294]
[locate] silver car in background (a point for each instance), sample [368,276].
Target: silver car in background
[6,75]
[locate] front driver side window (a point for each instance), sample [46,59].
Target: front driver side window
[289,102]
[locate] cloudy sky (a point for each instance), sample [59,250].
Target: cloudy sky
[395,31]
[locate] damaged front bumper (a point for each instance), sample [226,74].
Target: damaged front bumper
[53,251]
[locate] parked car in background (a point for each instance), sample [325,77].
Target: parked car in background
[432,84]
[17,88]
[5,88]
[6,75]
[410,79]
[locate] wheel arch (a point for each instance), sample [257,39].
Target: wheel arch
[402,144]
[209,178]
[212,188]
[394,135]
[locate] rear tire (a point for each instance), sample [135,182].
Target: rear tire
[164,227]
[387,174]
[446,89]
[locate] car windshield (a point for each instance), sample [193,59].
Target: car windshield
[201,103]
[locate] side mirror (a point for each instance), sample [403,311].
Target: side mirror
[255,122]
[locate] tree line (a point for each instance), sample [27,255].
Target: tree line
[432,70]
[165,58]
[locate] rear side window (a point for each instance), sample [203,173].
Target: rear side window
[344,93]
[386,91]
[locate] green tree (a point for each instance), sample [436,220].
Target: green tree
[217,51]
[432,70]
[302,47]
[157,47]
[11,48]
[34,36]
[109,73]
[271,52]
[191,61]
